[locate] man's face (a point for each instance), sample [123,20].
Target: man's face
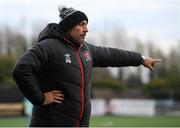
[79,31]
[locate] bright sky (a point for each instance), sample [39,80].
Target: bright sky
[158,20]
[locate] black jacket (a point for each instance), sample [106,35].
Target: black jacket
[59,63]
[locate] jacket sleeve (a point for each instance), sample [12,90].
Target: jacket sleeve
[113,57]
[25,73]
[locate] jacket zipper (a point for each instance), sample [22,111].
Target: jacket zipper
[82,79]
[82,88]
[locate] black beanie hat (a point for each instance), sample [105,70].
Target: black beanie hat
[70,18]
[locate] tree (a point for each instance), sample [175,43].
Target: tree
[174,61]
[6,66]
[14,43]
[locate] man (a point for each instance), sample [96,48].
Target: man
[55,75]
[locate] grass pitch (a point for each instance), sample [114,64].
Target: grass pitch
[107,121]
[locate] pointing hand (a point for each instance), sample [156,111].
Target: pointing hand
[150,63]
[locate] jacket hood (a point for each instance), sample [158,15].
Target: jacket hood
[50,31]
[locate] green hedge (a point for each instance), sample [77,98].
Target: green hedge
[163,88]
[108,83]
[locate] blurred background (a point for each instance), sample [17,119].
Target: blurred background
[131,96]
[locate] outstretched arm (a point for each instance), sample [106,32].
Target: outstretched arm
[113,57]
[104,57]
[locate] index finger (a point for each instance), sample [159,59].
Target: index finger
[158,60]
